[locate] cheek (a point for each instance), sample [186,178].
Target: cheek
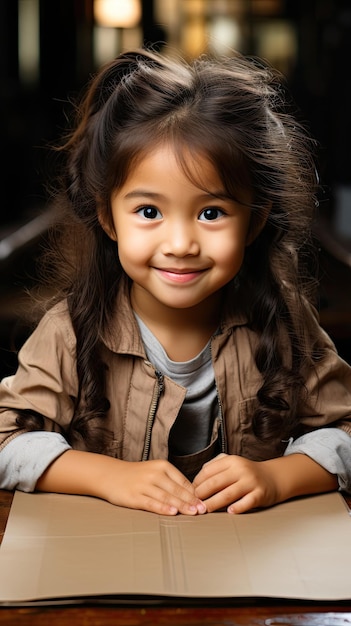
[129,254]
[132,252]
[229,254]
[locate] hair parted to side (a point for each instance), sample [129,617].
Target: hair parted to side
[236,112]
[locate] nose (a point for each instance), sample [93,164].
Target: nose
[180,239]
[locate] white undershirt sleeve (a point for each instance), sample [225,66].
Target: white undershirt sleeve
[26,457]
[331,448]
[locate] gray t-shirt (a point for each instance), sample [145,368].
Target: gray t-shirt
[193,427]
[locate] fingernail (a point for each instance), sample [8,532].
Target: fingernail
[201,508]
[192,508]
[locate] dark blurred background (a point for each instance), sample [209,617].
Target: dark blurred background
[50,48]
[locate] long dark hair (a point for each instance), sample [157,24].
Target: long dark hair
[236,111]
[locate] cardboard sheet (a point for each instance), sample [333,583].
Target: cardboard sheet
[60,546]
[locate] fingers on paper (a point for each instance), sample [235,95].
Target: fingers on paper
[168,492]
[229,482]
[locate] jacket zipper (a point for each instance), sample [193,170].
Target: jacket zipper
[223,442]
[221,425]
[152,413]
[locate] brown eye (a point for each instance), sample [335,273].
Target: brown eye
[149,212]
[210,214]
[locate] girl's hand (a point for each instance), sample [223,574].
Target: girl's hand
[241,485]
[235,483]
[155,486]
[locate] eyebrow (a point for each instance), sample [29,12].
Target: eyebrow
[137,193]
[141,192]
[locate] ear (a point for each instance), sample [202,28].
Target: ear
[105,223]
[257,224]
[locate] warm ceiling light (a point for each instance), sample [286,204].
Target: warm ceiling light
[117,13]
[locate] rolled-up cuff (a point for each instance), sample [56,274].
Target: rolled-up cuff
[26,457]
[331,448]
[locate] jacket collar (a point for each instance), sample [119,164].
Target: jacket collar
[123,336]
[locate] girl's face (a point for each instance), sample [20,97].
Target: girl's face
[179,244]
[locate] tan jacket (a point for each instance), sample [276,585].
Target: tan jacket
[46,382]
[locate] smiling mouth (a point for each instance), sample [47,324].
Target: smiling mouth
[180,276]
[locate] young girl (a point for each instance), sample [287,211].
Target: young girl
[182,368]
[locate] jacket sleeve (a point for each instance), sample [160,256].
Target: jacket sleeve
[46,381]
[328,388]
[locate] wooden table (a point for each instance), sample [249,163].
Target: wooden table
[240,613]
